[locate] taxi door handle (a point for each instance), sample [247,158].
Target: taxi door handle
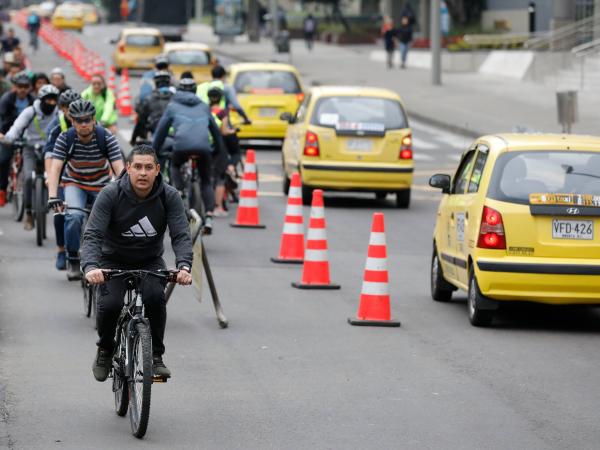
[452,216]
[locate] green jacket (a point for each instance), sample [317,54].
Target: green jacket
[202,91]
[104,104]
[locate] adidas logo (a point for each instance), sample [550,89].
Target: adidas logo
[142,229]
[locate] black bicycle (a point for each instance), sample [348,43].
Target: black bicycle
[39,199]
[16,182]
[132,372]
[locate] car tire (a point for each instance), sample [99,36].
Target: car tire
[118,71]
[381,195]
[441,290]
[286,183]
[403,199]
[306,195]
[477,316]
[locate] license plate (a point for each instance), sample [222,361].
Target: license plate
[573,229]
[359,145]
[267,112]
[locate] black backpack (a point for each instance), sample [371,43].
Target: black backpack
[70,136]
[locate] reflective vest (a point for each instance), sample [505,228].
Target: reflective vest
[202,92]
[64,126]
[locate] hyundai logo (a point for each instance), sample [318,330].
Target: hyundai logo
[572,211]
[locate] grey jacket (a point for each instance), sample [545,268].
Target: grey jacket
[126,231]
[192,123]
[26,126]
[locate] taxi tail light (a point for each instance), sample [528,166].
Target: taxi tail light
[122,48]
[300,97]
[406,148]
[311,144]
[491,231]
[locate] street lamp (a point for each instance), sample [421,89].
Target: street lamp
[436,50]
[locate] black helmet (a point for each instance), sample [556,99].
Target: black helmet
[21,78]
[215,93]
[82,108]
[162,78]
[48,90]
[187,84]
[161,62]
[68,97]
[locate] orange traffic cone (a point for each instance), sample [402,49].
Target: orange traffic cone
[248,215]
[374,306]
[315,272]
[125,108]
[112,82]
[291,249]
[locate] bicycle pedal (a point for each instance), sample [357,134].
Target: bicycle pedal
[156,379]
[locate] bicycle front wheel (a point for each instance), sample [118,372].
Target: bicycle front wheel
[17,197]
[40,211]
[120,387]
[140,384]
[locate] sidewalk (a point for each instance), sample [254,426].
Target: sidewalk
[472,103]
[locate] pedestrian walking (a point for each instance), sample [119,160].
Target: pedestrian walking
[387,33]
[309,27]
[404,35]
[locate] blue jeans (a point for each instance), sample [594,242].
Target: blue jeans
[404,51]
[75,197]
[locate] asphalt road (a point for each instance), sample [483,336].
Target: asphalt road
[290,373]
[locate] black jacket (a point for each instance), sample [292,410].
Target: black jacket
[149,111]
[125,230]
[8,109]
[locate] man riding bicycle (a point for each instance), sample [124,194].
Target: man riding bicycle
[126,231]
[32,124]
[150,109]
[82,159]
[193,127]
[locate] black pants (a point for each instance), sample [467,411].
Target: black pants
[29,161]
[204,167]
[110,304]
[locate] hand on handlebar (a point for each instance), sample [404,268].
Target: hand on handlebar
[184,277]
[95,276]
[56,204]
[247,121]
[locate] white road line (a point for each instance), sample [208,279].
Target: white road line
[421,144]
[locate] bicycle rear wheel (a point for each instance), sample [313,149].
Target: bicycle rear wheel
[140,384]
[17,199]
[120,386]
[39,204]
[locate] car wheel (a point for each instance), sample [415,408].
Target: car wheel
[441,290]
[306,195]
[403,198]
[380,195]
[286,184]
[118,71]
[479,317]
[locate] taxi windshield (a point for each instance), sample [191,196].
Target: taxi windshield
[518,174]
[142,40]
[359,113]
[266,82]
[189,57]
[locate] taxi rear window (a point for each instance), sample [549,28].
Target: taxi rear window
[266,82]
[142,40]
[518,174]
[359,113]
[189,57]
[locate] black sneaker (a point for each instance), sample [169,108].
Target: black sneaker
[207,228]
[159,368]
[73,271]
[102,364]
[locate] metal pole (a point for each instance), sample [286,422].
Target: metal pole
[139,12]
[274,20]
[436,49]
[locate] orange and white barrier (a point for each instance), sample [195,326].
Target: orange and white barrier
[248,215]
[291,248]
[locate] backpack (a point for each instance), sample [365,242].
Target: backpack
[71,134]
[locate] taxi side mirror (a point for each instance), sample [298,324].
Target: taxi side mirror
[440,181]
[114,41]
[287,117]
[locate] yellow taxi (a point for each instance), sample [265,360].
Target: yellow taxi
[520,220]
[136,48]
[265,91]
[90,13]
[190,56]
[69,16]
[351,139]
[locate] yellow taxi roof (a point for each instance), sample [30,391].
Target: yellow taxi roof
[533,141]
[175,46]
[148,31]
[238,67]
[69,7]
[353,91]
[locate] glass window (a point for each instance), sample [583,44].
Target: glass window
[461,179]
[477,171]
[266,82]
[142,40]
[359,113]
[518,174]
[189,57]
[301,113]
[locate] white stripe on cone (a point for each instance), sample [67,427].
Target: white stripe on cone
[376,264]
[249,185]
[317,234]
[317,212]
[248,202]
[295,192]
[377,238]
[293,228]
[249,168]
[373,288]
[315,255]
[293,210]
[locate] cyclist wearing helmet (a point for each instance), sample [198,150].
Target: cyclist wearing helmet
[32,124]
[193,125]
[150,110]
[229,100]
[58,79]
[12,104]
[147,86]
[60,124]
[82,159]
[104,102]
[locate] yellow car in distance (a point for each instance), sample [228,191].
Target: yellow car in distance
[520,220]
[350,139]
[190,56]
[265,91]
[69,16]
[136,48]
[90,14]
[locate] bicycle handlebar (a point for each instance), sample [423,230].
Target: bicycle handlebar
[165,274]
